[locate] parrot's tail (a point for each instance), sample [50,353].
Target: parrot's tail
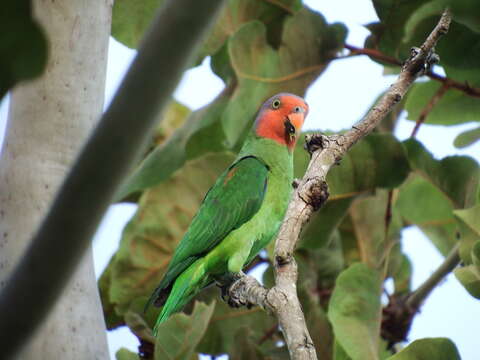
[185,287]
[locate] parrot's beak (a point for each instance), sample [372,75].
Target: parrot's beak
[294,123]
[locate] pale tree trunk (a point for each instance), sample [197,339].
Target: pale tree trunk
[49,120]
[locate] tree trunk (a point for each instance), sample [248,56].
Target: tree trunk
[49,120]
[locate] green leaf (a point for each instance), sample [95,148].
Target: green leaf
[467,138]
[429,348]
[378,161]
[438,188]
[170,155]
[179,335]
[139,326]
[458,177]
[367,216]
[476,254]
[433,206]
[318,268]
[172,119]
[112,319]
[151,236]
[322,225]
[244,347]
[131,18]
[125,354]
[351,252]
[471,217]
[466,12]
[339,353]
[453,108]
[402,278]
[355,311]
[236,13]
[388,33]
[469,277]
[23,49]
[421,203]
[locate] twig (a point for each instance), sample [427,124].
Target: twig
[416,298]
[376,54]
[310,195]
[429,107]
[388,246]
[466,88]
[388,212]
[354,50]
[109,154]
[268,334]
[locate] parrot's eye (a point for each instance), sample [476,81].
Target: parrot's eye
[298,109]
[275,104]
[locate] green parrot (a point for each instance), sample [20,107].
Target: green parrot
[243,210]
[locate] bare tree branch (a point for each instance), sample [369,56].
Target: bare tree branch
[311,194]
[376,54]
[429,107]
[416,298]
[109,154]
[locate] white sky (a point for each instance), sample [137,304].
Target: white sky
[337,100]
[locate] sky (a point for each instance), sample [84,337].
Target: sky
[338,99]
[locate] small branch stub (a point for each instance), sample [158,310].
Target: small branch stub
[314,142]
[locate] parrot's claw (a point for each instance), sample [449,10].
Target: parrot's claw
[224,283]
[227,286]
[223,292]
[235,301]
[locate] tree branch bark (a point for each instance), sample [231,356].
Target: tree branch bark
[416,298]
[429,107]
[110,153]
[311,194]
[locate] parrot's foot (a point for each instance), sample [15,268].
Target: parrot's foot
[228,285]
[225,281]
[234,300]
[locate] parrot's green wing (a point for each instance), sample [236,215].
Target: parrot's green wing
[234,198]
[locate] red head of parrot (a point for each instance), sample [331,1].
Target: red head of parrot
[281,118]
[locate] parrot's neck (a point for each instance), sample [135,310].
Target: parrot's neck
[277,156]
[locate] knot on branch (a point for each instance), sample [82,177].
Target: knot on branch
[314,142]
[420,63]
[306,346]
[283,259]
[146,349]
[315,193]
[295,183]
[397,319]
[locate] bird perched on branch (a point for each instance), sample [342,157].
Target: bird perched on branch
[243,210]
